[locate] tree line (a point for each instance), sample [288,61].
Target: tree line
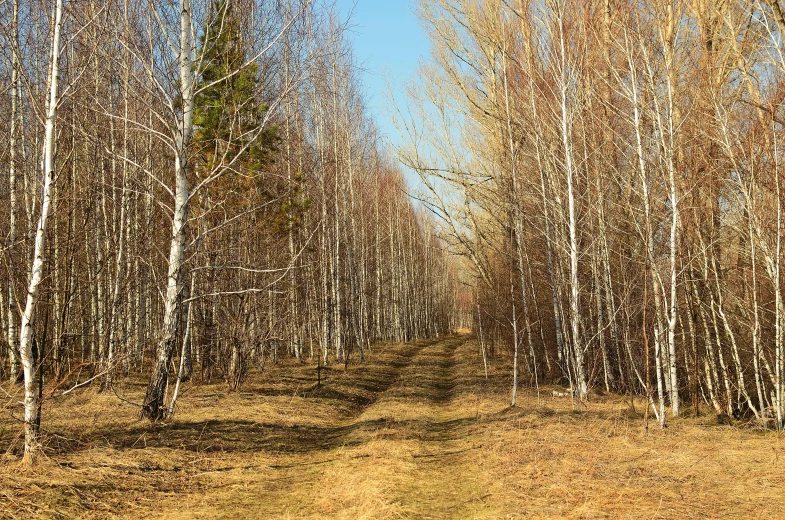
[611,173]
[193,187]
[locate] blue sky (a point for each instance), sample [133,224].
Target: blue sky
[388,41]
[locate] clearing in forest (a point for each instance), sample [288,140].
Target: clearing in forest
[415,432]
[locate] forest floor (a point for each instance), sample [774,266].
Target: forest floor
[417,431]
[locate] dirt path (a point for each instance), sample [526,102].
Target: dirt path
[404,450]
[368,442]
[395,455]
[431,426]
[415,432]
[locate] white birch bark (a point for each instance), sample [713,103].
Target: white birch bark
[153,406]
[378,258]
[29,361]
[335,258]
[774,268]
[516,342]
[295,346]
[13,313]
[517,213]
[351,248]
[648,231]
[674,237]
[666,133]
[575,314]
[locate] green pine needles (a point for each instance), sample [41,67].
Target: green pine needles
[229,114]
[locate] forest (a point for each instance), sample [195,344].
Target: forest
[217,269]
[610,171]
[198,183]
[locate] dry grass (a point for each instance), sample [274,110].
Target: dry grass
[416,432]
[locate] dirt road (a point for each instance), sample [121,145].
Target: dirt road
[415,432]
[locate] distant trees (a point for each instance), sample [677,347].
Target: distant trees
[622,160]
[214,195]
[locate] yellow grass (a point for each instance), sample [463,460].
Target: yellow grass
[415,432]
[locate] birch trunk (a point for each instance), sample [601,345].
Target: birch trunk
[575,316]
[378,259]
[13,350]
[649,239]
[114,316]
[335,260]
[351,248]
[153,407]
[516,341]
[517,214]
[26,342]
[668,143]
[780,310]
[295,346]
[184,371]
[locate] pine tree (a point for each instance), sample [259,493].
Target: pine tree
[229,112]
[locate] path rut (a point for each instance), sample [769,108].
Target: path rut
[391,456]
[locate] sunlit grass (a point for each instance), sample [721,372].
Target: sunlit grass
[416,432]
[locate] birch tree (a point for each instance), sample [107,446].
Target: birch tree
[28,351]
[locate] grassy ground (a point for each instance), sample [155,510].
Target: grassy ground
[415,432]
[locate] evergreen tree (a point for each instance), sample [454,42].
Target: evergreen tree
[229,111]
